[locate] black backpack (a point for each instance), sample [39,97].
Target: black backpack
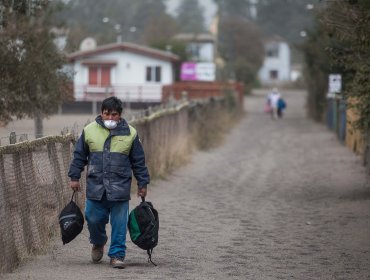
[143,225]
[71,221]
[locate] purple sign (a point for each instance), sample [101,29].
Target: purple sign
[188,72]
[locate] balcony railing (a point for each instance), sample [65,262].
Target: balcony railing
[128,93]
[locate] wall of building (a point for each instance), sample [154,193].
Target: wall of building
[281,63]
[128,76]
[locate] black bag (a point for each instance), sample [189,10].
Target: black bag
[143,225]
[71,221]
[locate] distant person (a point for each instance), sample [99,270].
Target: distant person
[112,150]
[272,101]
[281,106]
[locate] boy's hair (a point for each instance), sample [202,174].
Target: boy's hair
[112,104]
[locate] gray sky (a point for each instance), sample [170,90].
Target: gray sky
[209,8]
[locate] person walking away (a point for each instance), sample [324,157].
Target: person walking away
[272,99]
[281,107]
[111,149]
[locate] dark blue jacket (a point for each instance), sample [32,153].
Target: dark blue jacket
[112,156]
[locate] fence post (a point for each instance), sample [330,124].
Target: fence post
[8,257]
[12,138]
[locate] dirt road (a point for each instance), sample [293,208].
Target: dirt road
[279,200]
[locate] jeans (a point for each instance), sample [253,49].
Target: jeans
[97,216]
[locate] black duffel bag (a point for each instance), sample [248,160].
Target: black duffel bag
[71,221]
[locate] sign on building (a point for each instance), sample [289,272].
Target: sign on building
[203,71]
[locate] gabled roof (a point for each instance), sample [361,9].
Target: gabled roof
[128,47]
[274,38]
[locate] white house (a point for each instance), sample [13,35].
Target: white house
[276,65]
[128,71]
[200,48]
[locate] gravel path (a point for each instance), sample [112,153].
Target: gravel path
[279,200]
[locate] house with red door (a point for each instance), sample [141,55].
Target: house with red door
[131,72]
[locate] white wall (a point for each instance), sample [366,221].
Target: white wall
[280,63]
[128,76]
[206,52]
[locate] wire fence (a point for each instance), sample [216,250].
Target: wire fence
[33,190]
[34,186]
[64,124]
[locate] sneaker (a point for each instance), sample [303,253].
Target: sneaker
[117,262]
[97,252]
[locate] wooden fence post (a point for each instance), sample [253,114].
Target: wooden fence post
[8,257]
[12,138]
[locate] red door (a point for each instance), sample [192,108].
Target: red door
[99,76]
[93,75]
[105,76]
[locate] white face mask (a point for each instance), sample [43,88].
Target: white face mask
[110,124]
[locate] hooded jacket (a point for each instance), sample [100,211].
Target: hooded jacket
[112,156]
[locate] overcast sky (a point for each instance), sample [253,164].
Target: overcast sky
[209,8]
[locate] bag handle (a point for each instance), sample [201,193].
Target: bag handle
[73,195]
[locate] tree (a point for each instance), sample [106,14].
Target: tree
[32,81]
[241,47]
[286,18]
[347,23]
[190,17]
[317,68]
[84,18]
[235,9]
[341,44]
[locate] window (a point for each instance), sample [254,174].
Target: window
[274,74]
[148,74]
[153,74]
[99,75]
[193,51]
[157,73]
[272,50]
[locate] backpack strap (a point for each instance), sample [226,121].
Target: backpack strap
[150,256]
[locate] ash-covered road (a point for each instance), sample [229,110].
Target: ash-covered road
[278,200]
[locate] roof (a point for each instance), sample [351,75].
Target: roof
[128,47]
[195,37]
[274,38]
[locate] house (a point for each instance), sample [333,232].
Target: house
[131,72]
[276,66]
[200,48]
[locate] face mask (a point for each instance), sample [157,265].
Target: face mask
[110,124]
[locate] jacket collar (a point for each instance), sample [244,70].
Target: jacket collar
[121,129]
